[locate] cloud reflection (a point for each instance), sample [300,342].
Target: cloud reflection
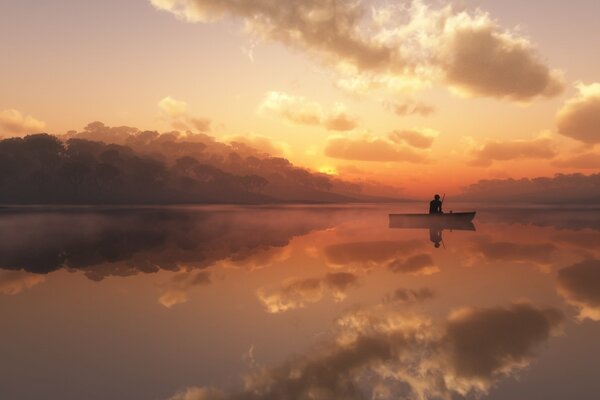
[381,353]
[14,282]
[295,293]
[579,284]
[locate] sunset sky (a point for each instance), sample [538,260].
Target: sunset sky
[427,95]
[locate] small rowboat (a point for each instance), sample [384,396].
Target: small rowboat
[458,221]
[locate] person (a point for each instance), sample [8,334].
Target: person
[435,206]
[435,236]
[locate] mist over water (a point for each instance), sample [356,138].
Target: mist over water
[298,302]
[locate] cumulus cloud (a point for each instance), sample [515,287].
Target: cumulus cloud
[385,354]
[422,139]
[14,282]
[368,148]
[580,161]
[541,148]
[579,118]
[177,112]
[299,110]
[410,108]
[481,59]
[297,293]
[13,122]
[579,284]
[408,46]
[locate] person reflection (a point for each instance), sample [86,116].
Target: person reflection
[435,236]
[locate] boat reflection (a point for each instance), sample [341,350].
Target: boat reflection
[435,225]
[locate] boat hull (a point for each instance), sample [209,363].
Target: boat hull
[457,221]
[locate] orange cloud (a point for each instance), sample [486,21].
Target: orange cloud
[299,110]
[580,161]
[579,118]
[421,139]
[14,282]
[13,122]
[410,108]
[371,149]
[542,148]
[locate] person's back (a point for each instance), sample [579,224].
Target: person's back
[435,206]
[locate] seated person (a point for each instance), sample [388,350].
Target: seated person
[435,206]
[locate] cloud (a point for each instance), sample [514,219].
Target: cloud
[419,264]
[579,118]
[484,343]
[579,284]
[410,108]
[176,290]
[408,296]
[422,139]
[411,46]
[369,254]
[297,293]
[369,148]
[580,161]
[13,122]
[177,112]
[173,108]
[385,354]
[262,144]
[481,59]
[14,282]
[535,253]
[299,110]
[542,148]
[339,120]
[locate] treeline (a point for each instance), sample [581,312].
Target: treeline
[153,169]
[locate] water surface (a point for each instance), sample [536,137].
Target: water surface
[320,302]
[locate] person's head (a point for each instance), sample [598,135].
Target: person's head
[437,196]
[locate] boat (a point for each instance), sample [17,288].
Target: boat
[452,220]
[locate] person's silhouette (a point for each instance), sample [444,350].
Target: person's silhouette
[435,236]
[435,206]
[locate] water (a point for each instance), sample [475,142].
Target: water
[297,303]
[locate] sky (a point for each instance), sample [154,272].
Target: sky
[427,95]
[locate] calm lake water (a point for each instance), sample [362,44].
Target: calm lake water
[298,303]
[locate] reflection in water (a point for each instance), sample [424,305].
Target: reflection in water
[296,293]
[14,282]
[126,242]
[331,303]
[383,353]
[435,227]
[579,284]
